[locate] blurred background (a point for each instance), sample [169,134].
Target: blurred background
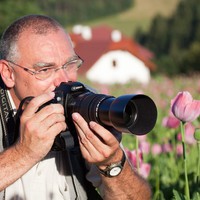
[136,46]
[168,28]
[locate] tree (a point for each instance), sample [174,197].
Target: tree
[191,59]
[10,10]
[175,40]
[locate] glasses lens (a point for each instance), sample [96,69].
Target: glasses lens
[44,73]
[72,66]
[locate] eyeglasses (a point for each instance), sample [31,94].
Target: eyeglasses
[45,72]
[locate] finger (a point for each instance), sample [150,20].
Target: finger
[101,135]
[53,119]
[95,153]
[107,137]
[57,128]
[85,134]
[49,110]
[36,102]
[90,142]
[90,152]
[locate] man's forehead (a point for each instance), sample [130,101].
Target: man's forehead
[29,35]
[52,43]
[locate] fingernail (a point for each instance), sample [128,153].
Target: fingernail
[92,124]
[74,116]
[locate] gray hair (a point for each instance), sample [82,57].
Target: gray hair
[37,24]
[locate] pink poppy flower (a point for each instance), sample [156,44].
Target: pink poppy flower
[133,158]
[170,122]
[142,138]
[145,169]
[166,147]
[156,149]
[179,149]
[184,107]
[189,134]
[145,147]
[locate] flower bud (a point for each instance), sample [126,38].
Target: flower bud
[184,107]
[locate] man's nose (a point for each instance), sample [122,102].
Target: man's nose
[61,76]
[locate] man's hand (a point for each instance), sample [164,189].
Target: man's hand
[38,129]
[98,145]
[37,132]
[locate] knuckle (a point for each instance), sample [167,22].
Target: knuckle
[60,118]
[32,103]
[56,108]
[49,108]
[28,126]
[105,154]
[56,118]
[89,135]
[22,119]
[84,140]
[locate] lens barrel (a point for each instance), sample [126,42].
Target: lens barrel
[135,114]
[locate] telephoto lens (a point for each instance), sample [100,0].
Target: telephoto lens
[132,113]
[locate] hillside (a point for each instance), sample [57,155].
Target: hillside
[139,15]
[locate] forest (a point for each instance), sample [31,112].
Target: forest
[65,11]
[175,40]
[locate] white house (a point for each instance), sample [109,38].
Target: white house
[118,66]
[109,57]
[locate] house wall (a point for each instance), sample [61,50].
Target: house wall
[126,67]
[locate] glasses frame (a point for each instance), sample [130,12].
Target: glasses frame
[64,66]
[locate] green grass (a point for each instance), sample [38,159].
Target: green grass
[139,15]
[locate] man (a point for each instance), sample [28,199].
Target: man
[36,56]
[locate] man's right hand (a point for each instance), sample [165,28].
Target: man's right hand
[39,129]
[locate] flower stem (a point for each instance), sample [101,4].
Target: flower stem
[187,191]
[137,154]
[198,166]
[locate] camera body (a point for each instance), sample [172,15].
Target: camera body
[135,114]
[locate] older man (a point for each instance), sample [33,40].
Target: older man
[36,56]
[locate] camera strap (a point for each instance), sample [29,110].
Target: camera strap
[7,123]
[7,117]
[83,189]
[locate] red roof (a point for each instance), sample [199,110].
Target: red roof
[101,42]
[137,50]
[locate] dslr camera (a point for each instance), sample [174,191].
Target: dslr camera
[132,113]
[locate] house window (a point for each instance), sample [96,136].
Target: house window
[114,63]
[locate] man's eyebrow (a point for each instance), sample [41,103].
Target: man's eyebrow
[71,58]
[52,64]
[43,64]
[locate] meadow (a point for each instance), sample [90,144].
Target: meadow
[139,15]
[160,151]
[158,156]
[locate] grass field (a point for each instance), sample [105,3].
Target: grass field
[166,168]
[139,15]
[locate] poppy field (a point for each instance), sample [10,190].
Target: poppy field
[169,155]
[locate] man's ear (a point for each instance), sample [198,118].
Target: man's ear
[7,74]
